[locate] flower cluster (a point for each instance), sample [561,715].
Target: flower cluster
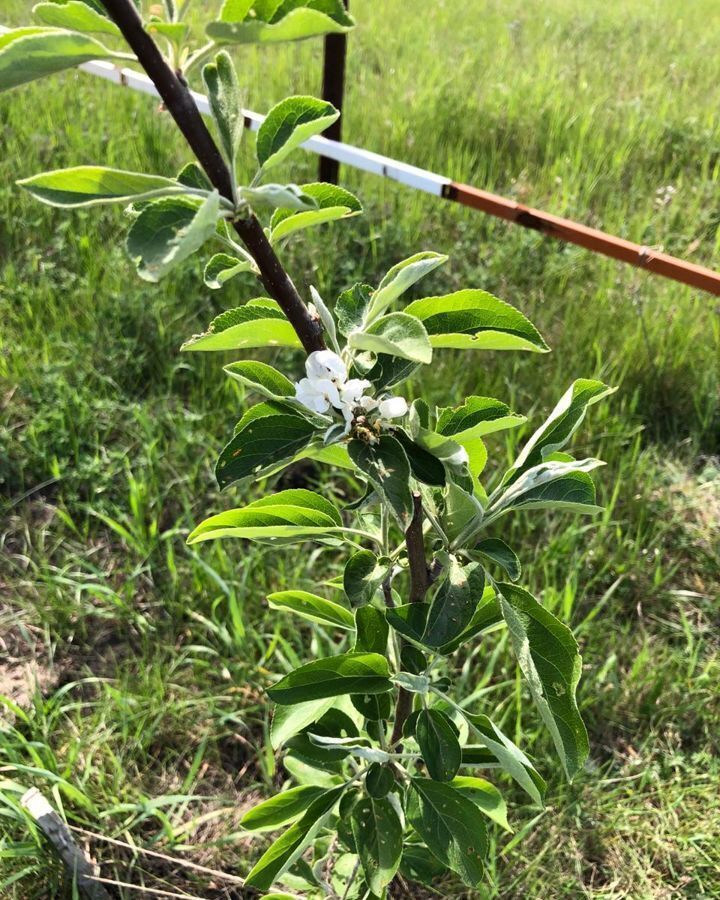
[327,385]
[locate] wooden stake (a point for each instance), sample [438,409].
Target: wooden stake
[335,54]
[59,835]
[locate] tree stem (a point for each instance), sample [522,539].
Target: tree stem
[419,583]
[180,104]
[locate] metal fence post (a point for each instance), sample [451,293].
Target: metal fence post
[334,56]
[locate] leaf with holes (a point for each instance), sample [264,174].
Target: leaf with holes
[267,433]
[439,744]
[386,466]
[451,826]
[454,603]
[378,835]
[548,656]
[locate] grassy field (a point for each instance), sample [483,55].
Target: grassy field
[134,666]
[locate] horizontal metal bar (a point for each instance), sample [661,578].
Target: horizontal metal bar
[590,238]
[440,186]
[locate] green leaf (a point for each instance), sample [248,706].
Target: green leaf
[451,827]
[192,175]
[475,418]
[280,809]
[288,721]
[548,656]
[402,277]
[463,513]
[486,617]
[170,230]
[92,185]
[283,196]
[454,603]
[332,203]
[386,466]
[373,707]
[261,378]
[266,434]
[222,267]
[560,425]
[291,22]
[259,323]
[372,630]
[362,576]
[485,796]
[74,15]
[498,552]
[351,308]
[30,53]
[439,744]
[475,320]
[281,855]
[379,781]
[409,620]
[510,757]
[225,98]
[349,673]
[418,865]
[290,124]
[176,32]
[551,485]
[426,467]
[297,514]
[235,10]
[313,608]
[390,370]
[397,334]
[378,835]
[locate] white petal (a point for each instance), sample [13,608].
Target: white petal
[352,390]
[393,407]
[324,364]
[307,394]
[327,389]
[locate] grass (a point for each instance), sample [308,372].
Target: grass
[136,665]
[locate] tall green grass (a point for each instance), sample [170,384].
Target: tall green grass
[148,716]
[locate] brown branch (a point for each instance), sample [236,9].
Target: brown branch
[415,543]
[180,104]
[419,583]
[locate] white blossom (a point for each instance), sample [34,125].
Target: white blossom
[327,385]
[317,394]
[325,364]
[393,408]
